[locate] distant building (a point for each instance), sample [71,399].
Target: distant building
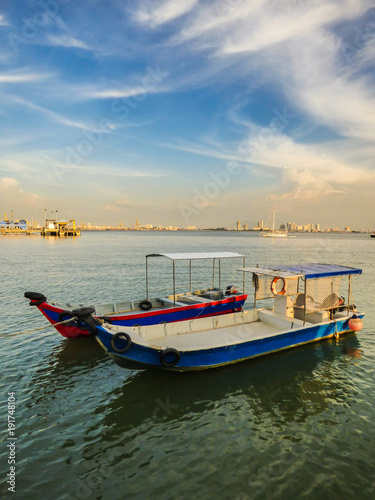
[238,225]
[16,224]
[260,224]
[245,227]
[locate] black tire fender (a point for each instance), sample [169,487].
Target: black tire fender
[36,299]
[81,318]
[64,316]
[145,305]
[170,352]
[122,336]
[82,312]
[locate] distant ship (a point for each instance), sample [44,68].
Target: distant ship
[274,233]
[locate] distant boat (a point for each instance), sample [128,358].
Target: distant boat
[274,233]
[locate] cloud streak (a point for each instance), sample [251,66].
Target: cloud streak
[155,14]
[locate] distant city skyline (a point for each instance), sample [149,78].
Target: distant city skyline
[188,113]
[239,226]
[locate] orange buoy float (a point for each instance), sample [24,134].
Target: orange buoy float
[274,286]
[355,323]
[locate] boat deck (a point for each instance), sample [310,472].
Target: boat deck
[214,331]
[132,307]
[216,338]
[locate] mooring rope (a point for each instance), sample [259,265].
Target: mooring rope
[37,329]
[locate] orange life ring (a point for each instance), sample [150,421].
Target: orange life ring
[273,286]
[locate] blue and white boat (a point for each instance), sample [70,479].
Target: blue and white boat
[303,304]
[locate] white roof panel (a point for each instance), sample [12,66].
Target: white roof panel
[271,272]
[196,255]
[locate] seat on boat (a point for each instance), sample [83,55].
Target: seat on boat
[300,300]
[331,301]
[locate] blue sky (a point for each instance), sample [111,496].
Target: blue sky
[188,112]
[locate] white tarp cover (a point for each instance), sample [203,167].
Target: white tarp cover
[196,255]
[271,272]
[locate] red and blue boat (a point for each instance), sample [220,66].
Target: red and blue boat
[76,322]
[303,304]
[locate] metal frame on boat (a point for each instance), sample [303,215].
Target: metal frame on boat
[73,321]
[306,307]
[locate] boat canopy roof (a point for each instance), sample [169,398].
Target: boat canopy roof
[308,271]
[196,255]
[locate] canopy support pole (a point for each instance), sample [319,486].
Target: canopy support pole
[243,275]
[304,302]
[190,278]
[174,285]
[146,277]
[349,293]
[219,276]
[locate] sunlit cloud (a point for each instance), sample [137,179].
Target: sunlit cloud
[10,190]
[303,185]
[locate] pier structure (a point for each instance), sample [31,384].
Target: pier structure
[60,227]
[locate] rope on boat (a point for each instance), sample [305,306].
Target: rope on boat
[37,329]
[230,279]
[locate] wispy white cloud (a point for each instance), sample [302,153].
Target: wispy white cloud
[333,95]
[67,41]
[114,93]
[124,171]
[52,115]
[155,14]
[268,29]
[22,77]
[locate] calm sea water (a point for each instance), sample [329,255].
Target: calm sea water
[299,424]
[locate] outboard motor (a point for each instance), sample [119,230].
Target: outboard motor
[231,290]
